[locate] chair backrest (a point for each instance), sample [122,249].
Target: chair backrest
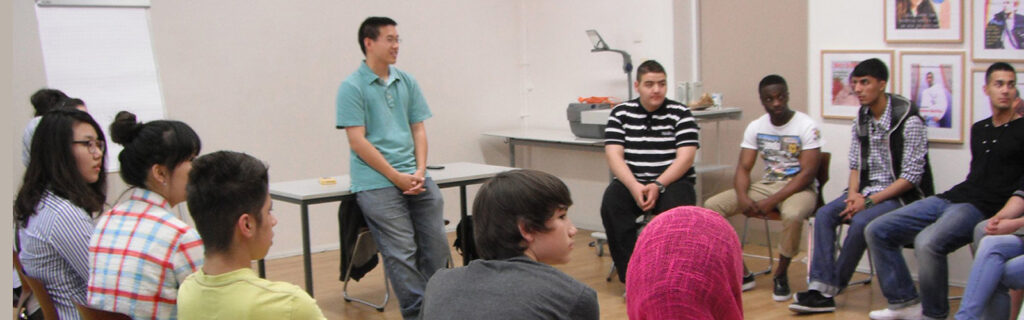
[823,161]
[38,290]
[90,313]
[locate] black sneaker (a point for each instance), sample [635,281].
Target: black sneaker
[812,301]
[748,282]
[781,291]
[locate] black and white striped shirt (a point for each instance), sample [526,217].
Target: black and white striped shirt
[650,139]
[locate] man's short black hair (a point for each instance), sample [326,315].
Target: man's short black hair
[871,67]
[648,67]
[371,29]
[221,187]
[998,66]
[770,80]
[526,196]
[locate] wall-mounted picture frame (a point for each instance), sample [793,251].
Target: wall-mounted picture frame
[924,21]
[935,82]
[838,100]
[981,108]
[992,39]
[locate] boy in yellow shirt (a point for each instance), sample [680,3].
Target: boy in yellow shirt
[229,200]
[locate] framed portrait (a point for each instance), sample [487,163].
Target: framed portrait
[838,101]
[992,38]
[935,82]
[981,108]
[924,20]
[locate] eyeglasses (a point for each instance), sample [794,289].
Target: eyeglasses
[95,146]
[393,40]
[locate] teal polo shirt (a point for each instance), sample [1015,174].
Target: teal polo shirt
[386,107]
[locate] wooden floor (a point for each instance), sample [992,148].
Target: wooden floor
[587,267]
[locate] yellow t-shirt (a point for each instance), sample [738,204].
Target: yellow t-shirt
[241,294]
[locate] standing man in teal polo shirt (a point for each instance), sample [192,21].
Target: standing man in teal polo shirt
[382,111]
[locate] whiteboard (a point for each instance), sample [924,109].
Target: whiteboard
[104,56]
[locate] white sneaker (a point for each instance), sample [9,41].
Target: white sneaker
[911,312]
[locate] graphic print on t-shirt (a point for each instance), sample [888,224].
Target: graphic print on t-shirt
[780,154]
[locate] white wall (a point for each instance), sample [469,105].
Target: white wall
[859,25]
[261,77]
[561,68]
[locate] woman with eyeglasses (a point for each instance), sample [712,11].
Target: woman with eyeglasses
[141,250]
[63,187]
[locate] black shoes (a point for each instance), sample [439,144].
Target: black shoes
[812,301]
[748,282]
[780,292]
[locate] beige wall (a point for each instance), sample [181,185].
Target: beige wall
[741,42]
[7,142]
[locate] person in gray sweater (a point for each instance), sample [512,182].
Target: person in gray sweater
[521,229]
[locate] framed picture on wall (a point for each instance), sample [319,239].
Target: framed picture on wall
[935,82]
[981,108]
[992,38]
[838,101]
[924,20]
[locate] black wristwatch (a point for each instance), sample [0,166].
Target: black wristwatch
[868,203]
[661,187]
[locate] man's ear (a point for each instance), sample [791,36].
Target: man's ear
[246,225]
[527,236]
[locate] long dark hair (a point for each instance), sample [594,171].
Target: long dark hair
[164,142]
[52,166]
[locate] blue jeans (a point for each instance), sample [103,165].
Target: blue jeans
[828,274]
[409,231]
[998,266]
[935,227]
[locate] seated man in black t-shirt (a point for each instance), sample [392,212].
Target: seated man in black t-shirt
[940,224]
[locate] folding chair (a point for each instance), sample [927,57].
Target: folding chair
[823,162]
[365,249]
[35,287]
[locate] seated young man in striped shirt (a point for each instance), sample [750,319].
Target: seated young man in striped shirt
[650,143]
[789,142]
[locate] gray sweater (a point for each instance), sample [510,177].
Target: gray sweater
[515,288]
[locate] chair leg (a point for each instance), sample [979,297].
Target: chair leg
[768,238]
[387,283]
[611,273]
[972,249]
[871,272]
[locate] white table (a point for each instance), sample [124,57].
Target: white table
[309,191]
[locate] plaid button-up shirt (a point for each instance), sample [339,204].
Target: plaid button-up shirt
[139,254]
[879,166]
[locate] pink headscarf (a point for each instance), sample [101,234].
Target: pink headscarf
[687,265]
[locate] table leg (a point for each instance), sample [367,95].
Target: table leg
[464,213]
[307,261]
[512,152]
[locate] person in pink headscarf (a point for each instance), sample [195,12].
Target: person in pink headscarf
[687,264]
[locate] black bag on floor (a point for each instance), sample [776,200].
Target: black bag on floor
[464,242]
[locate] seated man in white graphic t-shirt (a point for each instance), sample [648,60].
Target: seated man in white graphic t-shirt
[789,142]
